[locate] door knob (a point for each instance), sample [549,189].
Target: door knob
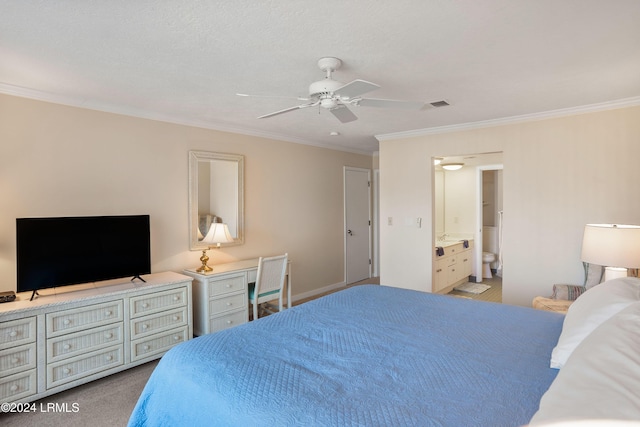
[350,232]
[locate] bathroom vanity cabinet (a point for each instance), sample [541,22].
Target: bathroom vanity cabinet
[452,268]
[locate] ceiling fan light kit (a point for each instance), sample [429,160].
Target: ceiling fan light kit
[334,96]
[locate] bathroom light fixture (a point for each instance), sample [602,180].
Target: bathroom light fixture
[614,246]
[452,166]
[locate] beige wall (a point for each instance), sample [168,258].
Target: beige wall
[559,174]
[61,161]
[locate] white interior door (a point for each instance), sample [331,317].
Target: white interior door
[357,213]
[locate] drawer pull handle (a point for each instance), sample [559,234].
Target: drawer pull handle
[66,347]
[176,298]
[108,335]
[176,337]
[108,313]
[146,347]
[14,387]
[229,304]
[228,285]
[145,305]
[229,322]
[109,358]
[15,360]
[66,322]
[13,334]
[176,317]
[145,326]
[66,371]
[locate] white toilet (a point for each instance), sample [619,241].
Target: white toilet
[487,259]
[489,244]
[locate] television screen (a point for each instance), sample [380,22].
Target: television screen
[54,252]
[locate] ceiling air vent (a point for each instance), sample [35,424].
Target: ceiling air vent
[438,104]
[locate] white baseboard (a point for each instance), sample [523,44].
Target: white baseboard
[317,292]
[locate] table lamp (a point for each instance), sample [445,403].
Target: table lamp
[614,246]
[218,233]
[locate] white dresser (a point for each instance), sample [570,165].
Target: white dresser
[221,296]
[72,335]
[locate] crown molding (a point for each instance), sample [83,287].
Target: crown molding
[22,92]
[609,105]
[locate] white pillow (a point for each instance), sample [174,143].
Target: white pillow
[600,380]
[589,311]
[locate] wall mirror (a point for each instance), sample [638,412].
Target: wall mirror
[216,194]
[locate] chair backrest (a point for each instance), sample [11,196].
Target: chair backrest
[271,274]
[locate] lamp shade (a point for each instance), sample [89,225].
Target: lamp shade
[611,245]
[218,233]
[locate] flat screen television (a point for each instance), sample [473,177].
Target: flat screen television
[54,252]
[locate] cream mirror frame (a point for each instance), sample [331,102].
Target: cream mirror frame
[216,194]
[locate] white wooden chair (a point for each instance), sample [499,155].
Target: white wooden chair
[270,283]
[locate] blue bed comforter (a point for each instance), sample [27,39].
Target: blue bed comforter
[367,356]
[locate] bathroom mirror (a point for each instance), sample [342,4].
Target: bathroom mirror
[216,194]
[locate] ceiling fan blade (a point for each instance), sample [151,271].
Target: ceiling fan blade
[389,103]
[355,88]
[299,98]
[286,110]
[343,114]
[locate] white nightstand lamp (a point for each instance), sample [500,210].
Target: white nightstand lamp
[615,246]
[218,233]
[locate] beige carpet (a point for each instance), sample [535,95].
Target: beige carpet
[106,402]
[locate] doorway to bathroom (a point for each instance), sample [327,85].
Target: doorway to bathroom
[467,204]
[490,209]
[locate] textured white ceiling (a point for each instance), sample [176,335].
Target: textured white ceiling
[184,61]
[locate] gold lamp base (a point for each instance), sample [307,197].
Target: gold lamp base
[204,268]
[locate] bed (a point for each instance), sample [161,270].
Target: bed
[366,356]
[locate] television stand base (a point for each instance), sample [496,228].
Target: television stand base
[33,295]
[138,277]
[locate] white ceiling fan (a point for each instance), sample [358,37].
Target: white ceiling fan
[336,96]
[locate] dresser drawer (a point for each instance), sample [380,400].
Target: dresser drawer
[84,365]
[17,359]
[157,344]
[17,332]
[227,284]
[153,324]
[18,386]
[453,249]
[160,301]
[228,320]
[77,319]
[224,304]
[82,342]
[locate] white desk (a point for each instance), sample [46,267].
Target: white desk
[221,296]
